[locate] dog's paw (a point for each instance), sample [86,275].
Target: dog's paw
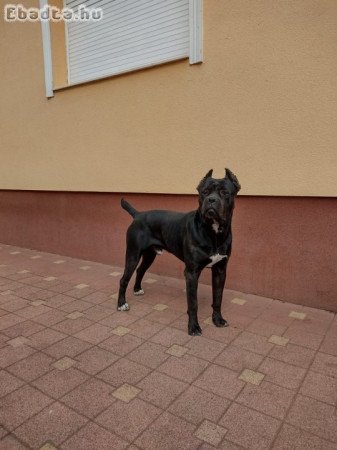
[124,307]
[194,330]
[219,321]
[139,292]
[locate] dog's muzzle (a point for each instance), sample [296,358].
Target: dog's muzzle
[211,213]
[212,208]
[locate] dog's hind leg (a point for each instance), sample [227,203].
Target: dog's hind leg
[131,262]
[149,256]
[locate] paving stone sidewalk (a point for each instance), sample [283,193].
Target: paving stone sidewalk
[77,374]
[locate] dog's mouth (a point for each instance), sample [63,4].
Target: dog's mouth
[211,213]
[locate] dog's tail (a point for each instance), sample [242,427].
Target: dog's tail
[130,209]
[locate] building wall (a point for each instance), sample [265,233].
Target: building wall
[263,103]
[283,248]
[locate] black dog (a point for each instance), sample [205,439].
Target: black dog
[201,238]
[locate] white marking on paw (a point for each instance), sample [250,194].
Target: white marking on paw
[140,292]
[215,258]
[124,307]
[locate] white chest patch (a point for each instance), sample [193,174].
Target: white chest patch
[215,258]
[215,226]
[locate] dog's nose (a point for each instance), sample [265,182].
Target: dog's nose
[211,200]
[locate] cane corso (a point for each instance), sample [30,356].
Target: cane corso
[201,238]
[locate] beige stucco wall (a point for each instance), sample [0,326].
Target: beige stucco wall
[263,103]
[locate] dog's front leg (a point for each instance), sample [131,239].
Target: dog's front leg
[192,277]
[218,284]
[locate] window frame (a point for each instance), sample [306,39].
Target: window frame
[195,55]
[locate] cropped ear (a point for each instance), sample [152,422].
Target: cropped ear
[230,175]
[208,175]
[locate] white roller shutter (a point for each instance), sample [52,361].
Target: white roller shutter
[132,34]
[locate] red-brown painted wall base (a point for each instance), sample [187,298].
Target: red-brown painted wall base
[284,248]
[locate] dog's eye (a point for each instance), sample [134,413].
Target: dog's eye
[205,192]
[226,195]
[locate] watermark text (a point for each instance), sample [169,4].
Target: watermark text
[19,13]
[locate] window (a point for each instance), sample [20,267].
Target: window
[133,34]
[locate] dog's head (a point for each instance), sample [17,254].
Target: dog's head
[216,197]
